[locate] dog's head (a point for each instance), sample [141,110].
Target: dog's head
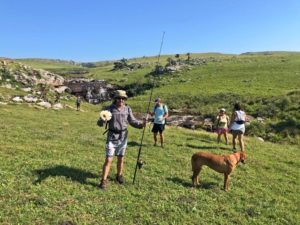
[242,157]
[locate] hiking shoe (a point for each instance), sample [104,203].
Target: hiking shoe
[120,179]
[234,149]
[103,184]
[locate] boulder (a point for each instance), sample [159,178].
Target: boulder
[260,139]
[17,99]
[62,89]
[46,105]
[30,99]
[57,106]
[28,89]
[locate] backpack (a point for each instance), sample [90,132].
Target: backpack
[165,111]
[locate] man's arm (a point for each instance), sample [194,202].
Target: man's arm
[133,121]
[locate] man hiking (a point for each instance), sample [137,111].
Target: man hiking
[116,143]
[160,113]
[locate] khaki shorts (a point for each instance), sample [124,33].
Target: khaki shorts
[116,148]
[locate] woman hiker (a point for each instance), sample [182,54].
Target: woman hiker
[237,126]
[222,124]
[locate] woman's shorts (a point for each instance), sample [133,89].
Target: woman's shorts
[222,131]
[237,132]
[158,128]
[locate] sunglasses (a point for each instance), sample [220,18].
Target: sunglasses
[121,99]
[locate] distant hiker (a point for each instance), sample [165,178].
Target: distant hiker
[116,143]
[78,101]
[222,124]
[160,113]
[237,126]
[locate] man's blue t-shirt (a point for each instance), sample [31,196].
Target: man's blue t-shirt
[159,112]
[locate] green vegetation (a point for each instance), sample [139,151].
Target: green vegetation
[266,84]
[50,164]
[60,67]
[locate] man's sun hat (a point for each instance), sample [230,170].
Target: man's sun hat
[222,110]
[120,94]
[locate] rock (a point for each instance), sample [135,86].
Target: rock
[8,86]
[30,99]
[3,103]
[94,91]
[62,89]
[57,106]
[17,99]
[69,107]
[260,119]
[46,105]
[28,89]
[260,139]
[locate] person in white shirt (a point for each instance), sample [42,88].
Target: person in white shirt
[237,126]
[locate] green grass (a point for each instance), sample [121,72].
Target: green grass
[51,160]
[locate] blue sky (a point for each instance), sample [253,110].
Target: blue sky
[94,30]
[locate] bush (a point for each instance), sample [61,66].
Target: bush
[256,129]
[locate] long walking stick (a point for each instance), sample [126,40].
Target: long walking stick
[139,162]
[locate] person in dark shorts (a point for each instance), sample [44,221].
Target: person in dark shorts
[160,113]
[237,126]
[78,101]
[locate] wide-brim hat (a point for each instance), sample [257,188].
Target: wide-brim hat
[120,94]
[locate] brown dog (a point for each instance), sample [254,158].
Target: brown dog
[220,163]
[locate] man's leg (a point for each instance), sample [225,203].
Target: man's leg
[105,172]
[106,167]
[155,138]
[120,165]
[161,139]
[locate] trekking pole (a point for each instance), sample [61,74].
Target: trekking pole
[139,162]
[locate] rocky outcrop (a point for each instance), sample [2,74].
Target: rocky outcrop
[94,91]
[12,71]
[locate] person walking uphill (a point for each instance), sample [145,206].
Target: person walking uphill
[160,113]
[116,143]
[237,126]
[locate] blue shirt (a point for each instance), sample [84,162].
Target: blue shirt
[159,112]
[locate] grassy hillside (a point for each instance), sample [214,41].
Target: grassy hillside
[266,83]
[61,67]
[50,164]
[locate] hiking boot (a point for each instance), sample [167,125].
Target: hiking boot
[103,184]
[234,150]
[120,179]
